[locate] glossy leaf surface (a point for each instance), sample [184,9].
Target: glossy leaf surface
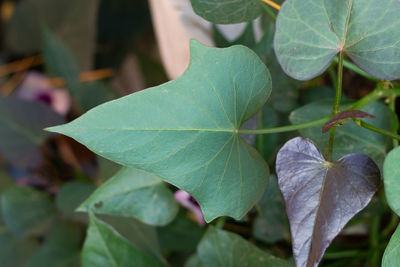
[392,252]
[306,44]
[221,248]
[391,179]
[227,11]
[186,131]
[134,193]
[321,196]
[26,210]
[105,247]
[21,129]
[349,138]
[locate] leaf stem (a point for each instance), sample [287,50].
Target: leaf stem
[354,68]
[395,129]
[336,103]
[379,130]
[378,93]
[220,222]
[269,11]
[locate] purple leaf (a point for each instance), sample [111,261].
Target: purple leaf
[344,115]
[321,196]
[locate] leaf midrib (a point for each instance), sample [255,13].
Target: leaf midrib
[71,129]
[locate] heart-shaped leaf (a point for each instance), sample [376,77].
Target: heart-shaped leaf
[227,11]
[133,193]
[321,196]
[187,131]
[309,34]
[392,252]
[391,179]
[221,248]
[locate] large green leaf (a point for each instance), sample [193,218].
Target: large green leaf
[187,131]
[73,20]
[349,138]
[134,193]
[391,179]
[309,34]
[105,247]
[26,210]
[60,249]
[21,129]
[227,11]
[221,248]
[392,252]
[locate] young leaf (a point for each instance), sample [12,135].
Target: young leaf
[349,138]
[221,248]
[21,129]
[391,179]
[186,131]
[321,196]
[105,247]
[134,193]
[306,44]
[227,11]
[392,252]
[26,210]
[345,115]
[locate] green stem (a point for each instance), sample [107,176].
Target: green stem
[269,11]
[363,102]
[354,68]
[379,130]
[374,240]
[288,128]
[391,225]
[395,129]
[336,103]
[220,222]
[342,254]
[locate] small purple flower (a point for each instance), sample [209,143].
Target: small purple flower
[190,203]
[37,87]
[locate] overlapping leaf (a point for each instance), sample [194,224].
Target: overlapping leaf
[134,193]
[105,247]
[310,33]
[221,248]
[186,131]
[391,178]
[321,196]
[349,138]
[227,11]
[392,252]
